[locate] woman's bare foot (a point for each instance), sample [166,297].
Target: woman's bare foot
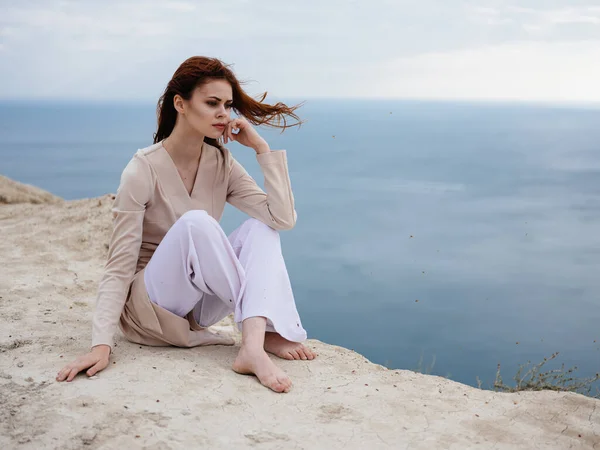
[279,346]
[207,337]
[257,362]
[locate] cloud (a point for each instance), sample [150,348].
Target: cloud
[566,71]
[180,6]
[538,21]
[129,49]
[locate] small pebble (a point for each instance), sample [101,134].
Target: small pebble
[20,364]
[88,436]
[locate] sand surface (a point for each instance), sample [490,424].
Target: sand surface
[52,256]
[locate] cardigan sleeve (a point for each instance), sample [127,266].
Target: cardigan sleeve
[275,207]
[134,192]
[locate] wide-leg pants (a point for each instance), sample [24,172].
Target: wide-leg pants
[196,267]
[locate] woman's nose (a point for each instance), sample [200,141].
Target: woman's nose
[222,112]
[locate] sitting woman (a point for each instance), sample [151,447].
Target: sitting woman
[171,270]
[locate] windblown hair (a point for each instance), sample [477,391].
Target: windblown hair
[198,70]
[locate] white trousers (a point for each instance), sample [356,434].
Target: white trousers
[198,268]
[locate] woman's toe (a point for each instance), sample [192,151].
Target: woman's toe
[286,382]
[275,384]
[302,353]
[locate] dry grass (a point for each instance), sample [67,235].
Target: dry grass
[533,378]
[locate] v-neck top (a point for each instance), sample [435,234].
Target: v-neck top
[152,196]
[190,193]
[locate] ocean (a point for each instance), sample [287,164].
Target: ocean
[447,237]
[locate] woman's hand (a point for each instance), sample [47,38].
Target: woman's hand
[246,135]
[96,360]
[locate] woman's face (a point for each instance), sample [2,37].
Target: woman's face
[208,110]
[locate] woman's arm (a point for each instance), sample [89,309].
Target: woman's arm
[133,194]
[128,210]
[275,207]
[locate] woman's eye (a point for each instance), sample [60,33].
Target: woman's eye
[227,106]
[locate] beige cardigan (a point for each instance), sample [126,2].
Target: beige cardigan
[150,198]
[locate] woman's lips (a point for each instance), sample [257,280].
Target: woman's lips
[220,127]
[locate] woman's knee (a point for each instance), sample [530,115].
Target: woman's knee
[256,226]
[195,216]
[199,220]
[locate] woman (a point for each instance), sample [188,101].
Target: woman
[171,271]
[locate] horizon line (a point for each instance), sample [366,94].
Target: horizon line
[142,101]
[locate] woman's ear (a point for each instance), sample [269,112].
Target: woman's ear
[178,104]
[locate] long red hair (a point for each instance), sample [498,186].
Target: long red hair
[196,71]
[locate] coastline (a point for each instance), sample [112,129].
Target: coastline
[53,253]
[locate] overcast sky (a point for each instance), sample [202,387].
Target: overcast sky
[542,50]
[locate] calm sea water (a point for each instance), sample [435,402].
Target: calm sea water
[465,234]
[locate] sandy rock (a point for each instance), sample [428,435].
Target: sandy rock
[170,398]
[14,192]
